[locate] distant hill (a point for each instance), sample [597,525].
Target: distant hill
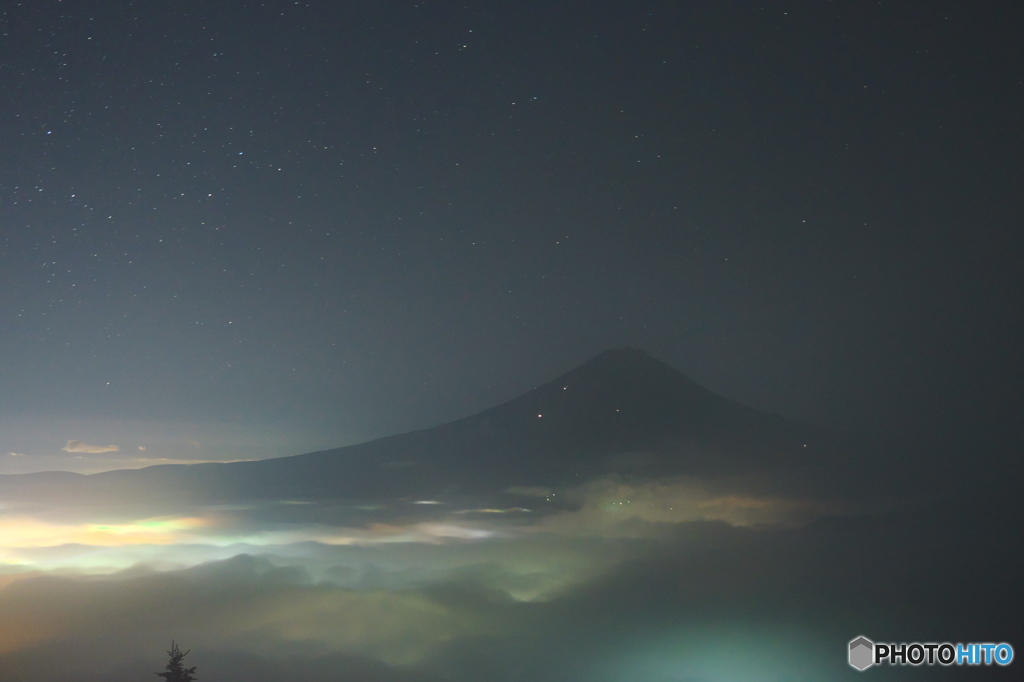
[621,412]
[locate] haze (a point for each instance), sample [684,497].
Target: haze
[656,341]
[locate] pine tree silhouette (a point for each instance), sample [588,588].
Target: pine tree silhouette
[176,672]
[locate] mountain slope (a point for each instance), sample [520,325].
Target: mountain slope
[621,412]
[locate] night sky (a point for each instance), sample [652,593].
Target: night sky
[239,230]
[246,229]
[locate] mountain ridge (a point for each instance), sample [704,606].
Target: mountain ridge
[622,411]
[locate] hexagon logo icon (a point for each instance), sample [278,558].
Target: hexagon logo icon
[862,653]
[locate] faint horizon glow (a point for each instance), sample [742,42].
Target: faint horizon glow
[37,444]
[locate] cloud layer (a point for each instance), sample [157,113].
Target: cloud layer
[616,579]
[79,446]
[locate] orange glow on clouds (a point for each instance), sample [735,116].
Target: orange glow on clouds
[25,532]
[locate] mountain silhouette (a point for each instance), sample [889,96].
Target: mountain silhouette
[622,412]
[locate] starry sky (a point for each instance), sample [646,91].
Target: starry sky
[239,230]
[246,229]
